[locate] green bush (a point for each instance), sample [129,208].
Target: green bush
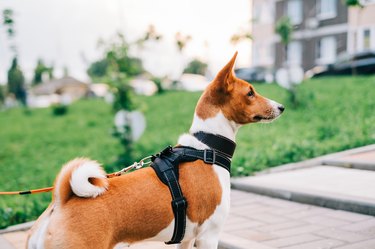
[59,109]
[196,67]
[158,83]
[2,95]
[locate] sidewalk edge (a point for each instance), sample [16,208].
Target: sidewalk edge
[308,198]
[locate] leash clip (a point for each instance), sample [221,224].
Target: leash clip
[144,162]
[136,165]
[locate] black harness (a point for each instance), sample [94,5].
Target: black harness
[166,165]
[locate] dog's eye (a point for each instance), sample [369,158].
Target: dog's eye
[250,93]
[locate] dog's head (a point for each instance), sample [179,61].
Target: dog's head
[236,99]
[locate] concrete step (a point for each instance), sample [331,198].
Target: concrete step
[364,161]
[327,186]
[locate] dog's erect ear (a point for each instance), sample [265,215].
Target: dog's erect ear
[225,78]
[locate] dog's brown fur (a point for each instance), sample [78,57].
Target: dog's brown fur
[120,214]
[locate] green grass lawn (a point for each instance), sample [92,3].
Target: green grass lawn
[335,114]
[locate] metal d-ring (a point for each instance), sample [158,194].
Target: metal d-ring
[144,162]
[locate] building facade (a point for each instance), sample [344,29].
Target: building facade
[263,25]
[361,33]
[323,30]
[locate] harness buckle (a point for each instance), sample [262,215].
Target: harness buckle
[179,203]
[206,159]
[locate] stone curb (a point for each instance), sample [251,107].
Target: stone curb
[317,199]
[17,228]
[317,160]
[357,164]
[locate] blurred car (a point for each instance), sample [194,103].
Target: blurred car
[360,63]
[254,74]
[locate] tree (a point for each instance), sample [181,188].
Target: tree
[196,67]
[151,34]
[8,22]
[40,70]
[98,69]
[16,82]
[354,3]
[116,67]
[284,29]
[116,59]
[240,36]
[182,41]
[2,95]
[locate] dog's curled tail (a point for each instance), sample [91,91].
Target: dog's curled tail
[82,177]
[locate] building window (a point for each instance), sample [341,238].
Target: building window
[294,53]
[326,9]
[294,11]
[264,12]
[256,55]
[366,39]
[263,54]
[326,50]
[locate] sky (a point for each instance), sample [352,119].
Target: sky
[65,33]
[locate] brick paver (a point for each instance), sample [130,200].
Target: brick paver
[17,239]
[303,228]
[5,244]
[293,240]
[368,244]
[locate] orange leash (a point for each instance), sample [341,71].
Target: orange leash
[43,190]
[136,165]
[33,191]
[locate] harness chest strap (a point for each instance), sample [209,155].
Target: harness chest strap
[165,169]
[166,165]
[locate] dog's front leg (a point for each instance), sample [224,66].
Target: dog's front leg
[208,243]
[186,245]
[209,239]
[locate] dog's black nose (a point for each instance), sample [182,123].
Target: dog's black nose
[281,108]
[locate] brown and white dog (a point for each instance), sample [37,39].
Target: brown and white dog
[90,211]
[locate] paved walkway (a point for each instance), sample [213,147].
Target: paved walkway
[262,222]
